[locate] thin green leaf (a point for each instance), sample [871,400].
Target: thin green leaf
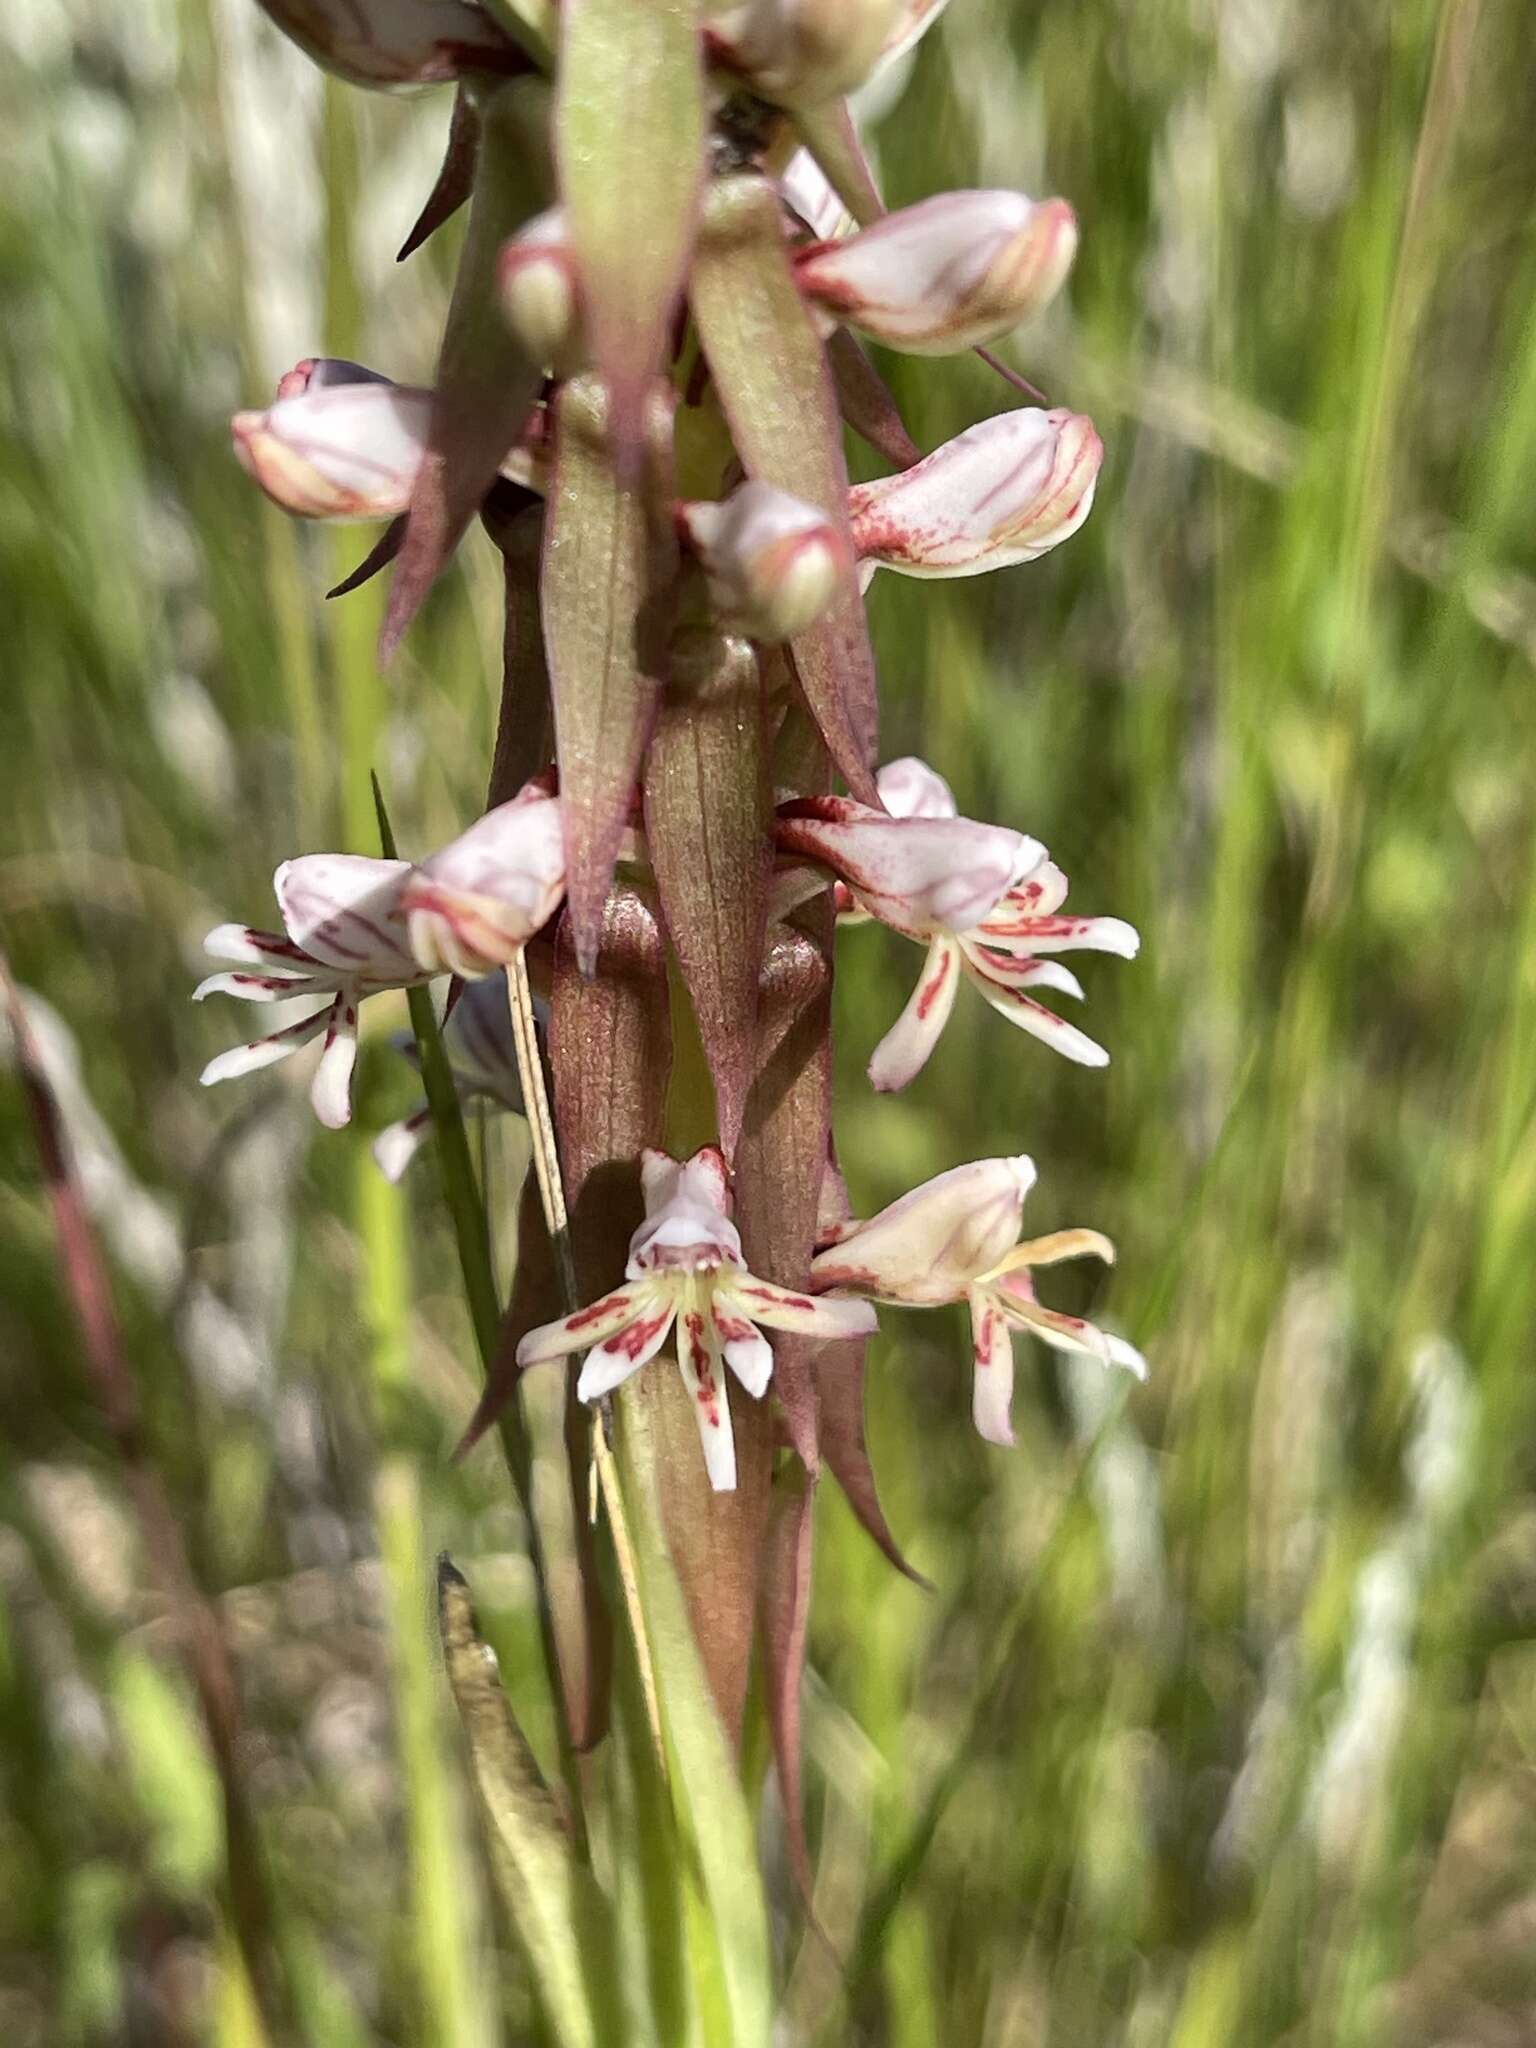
[629,139]
[559,1911]
[771,374]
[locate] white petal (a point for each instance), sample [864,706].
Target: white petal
[265,1052]
[272,987]
[395,1147]
[700,1367]
[904,1050]
[611,1363]
[244,943]
[345,910]
[1126,1355]
[587,1326]
[1038,1021]
[745,1350]
[992,1352]
[909,788]
[330,1092]
[783,1308]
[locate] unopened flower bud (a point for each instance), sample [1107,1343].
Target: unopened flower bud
[395,42]
[1002,492]
[539,293]
[949,274]
[772,562]
[800,52]
[333,449]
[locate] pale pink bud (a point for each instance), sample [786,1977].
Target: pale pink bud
[772,562]
[1002,492]
[950,274]
[539,292]
[329,449]
[801,52]
[475,905]
[396,42]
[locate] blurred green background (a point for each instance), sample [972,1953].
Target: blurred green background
[1219,1725]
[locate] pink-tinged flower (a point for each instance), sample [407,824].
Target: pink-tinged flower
[344,938]
[330,448]
[395,42]
[540,295]
[949,274]
[955,1239]
[985,902]
[801,52]
[1002,492]
[773,563]
[482,1056]
[685,1267]
[342,442]
[353,927]
[475,905]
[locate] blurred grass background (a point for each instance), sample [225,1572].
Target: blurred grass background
[1219,1726]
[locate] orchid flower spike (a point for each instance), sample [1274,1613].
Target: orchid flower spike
[344,938]
[798,53]
[955,1239]
[1004,491]
[773,563]
[475,905]
[482,1058]
[685,1267]
[984,900]
[954,272]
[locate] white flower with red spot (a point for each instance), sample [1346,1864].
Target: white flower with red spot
[1003,492]
[955,1239]
[685,1269]
[985,901]
[344,938]
[354,926]
[950,273]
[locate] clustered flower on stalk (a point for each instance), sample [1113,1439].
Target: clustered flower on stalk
[650,356]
